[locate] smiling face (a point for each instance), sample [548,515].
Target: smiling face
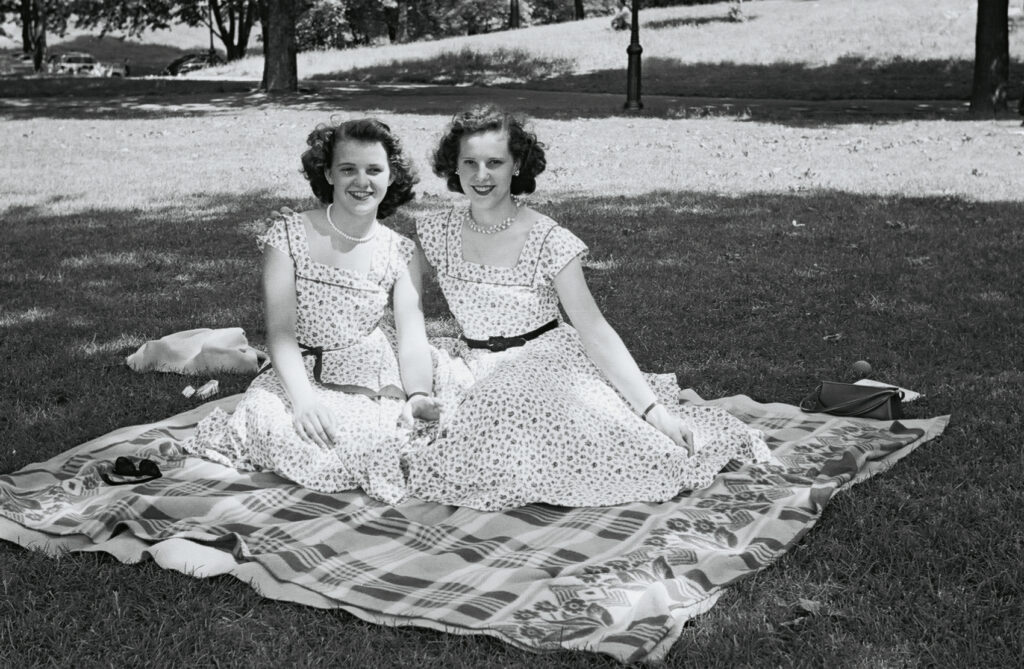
[360,174]
[485,168]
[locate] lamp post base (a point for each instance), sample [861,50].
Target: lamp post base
[633,71]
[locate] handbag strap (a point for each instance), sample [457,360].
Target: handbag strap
[852,408]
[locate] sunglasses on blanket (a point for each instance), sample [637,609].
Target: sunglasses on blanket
[124,466]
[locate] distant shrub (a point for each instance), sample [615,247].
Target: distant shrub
[465,66]
[674,3]
[323,26]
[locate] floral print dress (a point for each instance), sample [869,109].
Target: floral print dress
[353,368]
[540,422]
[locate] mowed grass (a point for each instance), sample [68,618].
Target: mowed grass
[819,49]
[724,251]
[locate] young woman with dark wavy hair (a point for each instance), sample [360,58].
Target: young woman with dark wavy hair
[553,411]
[324,415]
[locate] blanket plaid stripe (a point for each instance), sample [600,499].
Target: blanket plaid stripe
[619,580]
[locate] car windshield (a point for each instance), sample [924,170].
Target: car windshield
[79,59]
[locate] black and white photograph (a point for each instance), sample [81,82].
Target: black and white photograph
[552,334]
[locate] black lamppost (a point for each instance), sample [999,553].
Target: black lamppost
[633,72]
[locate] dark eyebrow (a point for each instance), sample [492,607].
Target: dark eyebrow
[349,163]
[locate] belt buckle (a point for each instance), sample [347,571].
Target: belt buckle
[498,344]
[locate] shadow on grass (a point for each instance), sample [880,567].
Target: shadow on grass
[684,22]
[734,297]
[465,67]
[850,78]
[722,290]
[851,91]
[83,290]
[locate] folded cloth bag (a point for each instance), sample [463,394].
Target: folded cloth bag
[851,399]
[200,351]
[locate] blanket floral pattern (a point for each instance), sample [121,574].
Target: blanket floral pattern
[619,580]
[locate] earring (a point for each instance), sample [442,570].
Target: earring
[516,172]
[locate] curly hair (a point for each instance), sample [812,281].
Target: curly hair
[317,159]
[526,150]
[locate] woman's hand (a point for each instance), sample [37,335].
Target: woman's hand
[672,426]
[314,423]
[422,407]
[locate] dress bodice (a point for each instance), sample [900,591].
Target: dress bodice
[338,309]
[498,301]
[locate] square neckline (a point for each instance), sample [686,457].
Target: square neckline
[372,275]
[455,236]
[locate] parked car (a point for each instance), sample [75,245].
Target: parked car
[81,63]
[73,62]
[18,63]
[190,62]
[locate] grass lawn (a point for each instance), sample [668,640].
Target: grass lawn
[794,49]
[722,248]
[912,261]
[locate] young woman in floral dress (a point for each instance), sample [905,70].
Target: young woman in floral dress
[543,410]
[325,414]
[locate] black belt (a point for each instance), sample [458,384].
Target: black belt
[317,353]
[496,344]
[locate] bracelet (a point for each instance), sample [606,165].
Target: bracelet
[643,416]
[418,392]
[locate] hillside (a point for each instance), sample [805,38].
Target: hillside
[798,49]
[147,54]
[785,48]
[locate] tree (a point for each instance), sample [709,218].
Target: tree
[472,17]
[397,14]
[280,66]
[323,26]
[991,56]
[231,21]
[37,18]
[578,11]
[513,14]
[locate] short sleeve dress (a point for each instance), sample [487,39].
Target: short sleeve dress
[351,364]
[540,422]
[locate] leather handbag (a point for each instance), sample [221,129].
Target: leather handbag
[853,400]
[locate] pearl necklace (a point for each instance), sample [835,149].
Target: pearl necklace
[354,240]
[494,229]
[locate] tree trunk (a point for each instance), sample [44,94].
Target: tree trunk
[397,17]
[245,26]
[578,10]
[234,29]
[403,21]
[38,34]
[280,67]
[991,56]
[265,39]
[513,14]
[26,26]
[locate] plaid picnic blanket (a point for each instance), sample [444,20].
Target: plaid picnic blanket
[619,580]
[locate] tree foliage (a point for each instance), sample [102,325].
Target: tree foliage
[37,19]
[347,23]
[231,21]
